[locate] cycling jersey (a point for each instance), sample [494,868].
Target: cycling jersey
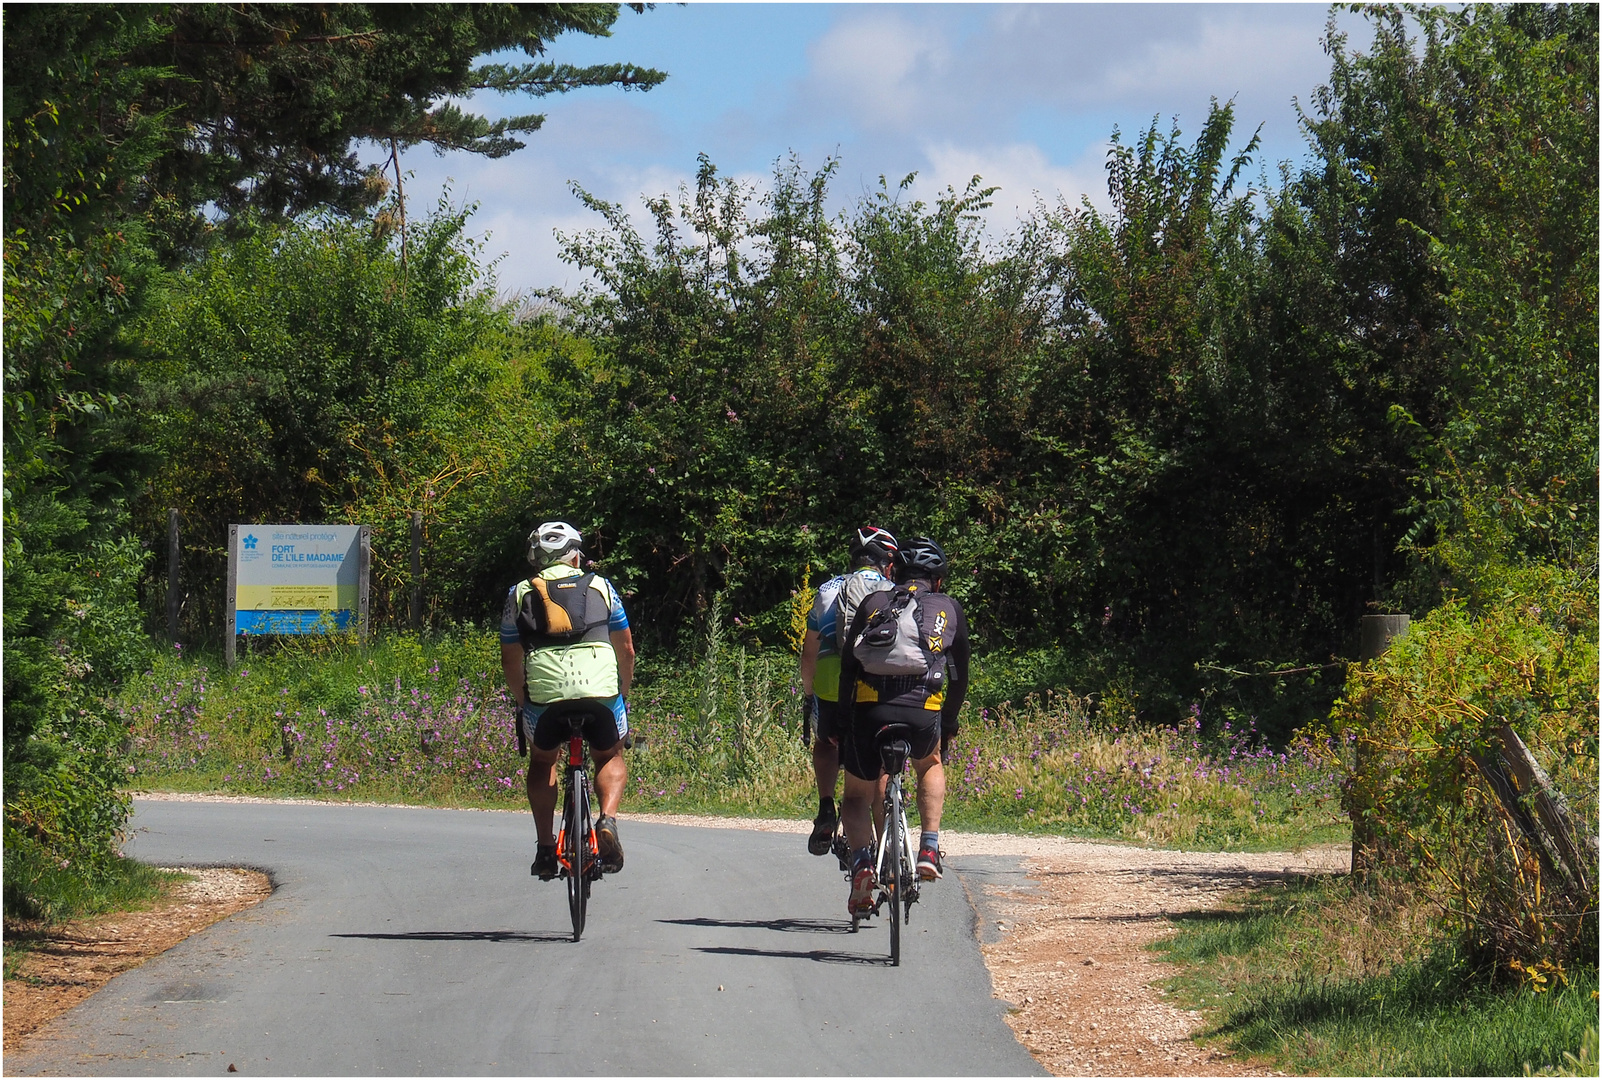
[824,619]
[585,669]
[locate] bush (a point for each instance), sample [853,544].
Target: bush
[1520,649]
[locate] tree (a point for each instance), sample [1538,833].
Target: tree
[261,105]
[127,129]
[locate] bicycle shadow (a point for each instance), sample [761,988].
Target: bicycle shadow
[786,926]
[783,926]
[821,956]
[496,936]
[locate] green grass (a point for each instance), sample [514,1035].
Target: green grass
[1325,978]
[43,894]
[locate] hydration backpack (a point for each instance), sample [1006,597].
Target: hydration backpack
[564,611]
[858,586]
[892,643]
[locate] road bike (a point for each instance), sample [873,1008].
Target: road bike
[893,857]
[578,854]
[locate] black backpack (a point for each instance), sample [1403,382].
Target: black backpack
[565,611]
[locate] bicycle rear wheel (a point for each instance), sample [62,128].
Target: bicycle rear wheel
[575,827]
[895,855]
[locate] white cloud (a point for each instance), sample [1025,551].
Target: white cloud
[876,69]
[1022,172]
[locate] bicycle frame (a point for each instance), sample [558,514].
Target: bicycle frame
[578,854]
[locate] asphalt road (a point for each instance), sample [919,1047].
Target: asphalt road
[414,942]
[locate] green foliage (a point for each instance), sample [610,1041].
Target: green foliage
[310,374]
[257,106]
[1324,979]
[122,126]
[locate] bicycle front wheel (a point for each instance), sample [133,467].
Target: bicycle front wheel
[575,830]
[895,853]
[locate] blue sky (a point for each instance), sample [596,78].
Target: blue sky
[1025,95]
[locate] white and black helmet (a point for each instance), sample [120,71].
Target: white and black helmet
[551,542]
[876,543]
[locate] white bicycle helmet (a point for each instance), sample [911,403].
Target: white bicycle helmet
[551,542]
[871,539]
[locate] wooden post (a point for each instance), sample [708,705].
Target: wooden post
[1378,631]
[417,570]
[172,575]
[229,599]
[1522,785]
[366,566]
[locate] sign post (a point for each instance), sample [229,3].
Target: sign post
[296,579]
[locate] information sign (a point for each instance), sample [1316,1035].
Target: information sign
[296,579]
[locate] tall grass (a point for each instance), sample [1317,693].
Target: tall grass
[429,721]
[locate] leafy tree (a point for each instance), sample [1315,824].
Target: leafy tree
[125,127]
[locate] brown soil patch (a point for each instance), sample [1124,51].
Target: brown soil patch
[1072,958]
[64,964]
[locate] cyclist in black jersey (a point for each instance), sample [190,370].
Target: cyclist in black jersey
[927,701]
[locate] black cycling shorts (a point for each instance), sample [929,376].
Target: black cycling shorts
[860,753]
[830,721]
[593,717]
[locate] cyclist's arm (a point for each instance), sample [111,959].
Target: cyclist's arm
[623,646]
[809,661]
[957,690]
[512,668]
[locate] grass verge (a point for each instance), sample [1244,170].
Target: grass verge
[1328,978]
[428,721]
[56,894]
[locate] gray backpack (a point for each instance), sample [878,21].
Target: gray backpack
[858,586]
[892,642]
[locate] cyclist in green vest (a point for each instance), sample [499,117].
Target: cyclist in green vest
[873,552]
[568,656]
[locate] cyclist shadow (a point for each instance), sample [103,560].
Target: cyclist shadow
[786,926]
[497,936]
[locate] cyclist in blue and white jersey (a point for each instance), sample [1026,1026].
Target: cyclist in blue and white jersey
[568,655]
[873,553]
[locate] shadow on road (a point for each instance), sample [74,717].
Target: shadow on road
[787,926]
[821,956]
[464,935]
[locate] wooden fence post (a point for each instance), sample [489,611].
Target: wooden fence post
[1378,631]
[1521,785]
[172,575]
[417,570]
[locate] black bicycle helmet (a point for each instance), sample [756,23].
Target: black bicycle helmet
[923,559]
[876,543]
